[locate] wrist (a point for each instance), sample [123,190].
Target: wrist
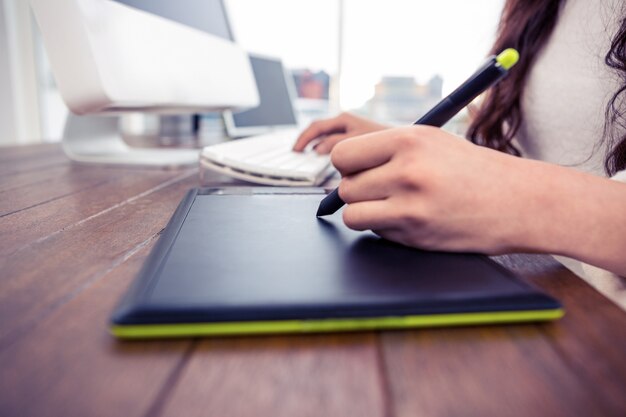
[544,218]
[574,214]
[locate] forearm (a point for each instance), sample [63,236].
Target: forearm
[577,215]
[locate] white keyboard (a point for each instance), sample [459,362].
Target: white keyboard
[268,159]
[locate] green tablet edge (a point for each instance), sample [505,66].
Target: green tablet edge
[147,331]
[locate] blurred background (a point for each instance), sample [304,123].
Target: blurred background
[389,60]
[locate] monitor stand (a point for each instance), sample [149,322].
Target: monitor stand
[97,139]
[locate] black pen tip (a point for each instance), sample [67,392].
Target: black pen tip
[324,211]
[330,204]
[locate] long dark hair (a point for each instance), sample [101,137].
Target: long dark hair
[615,114]
[526,26]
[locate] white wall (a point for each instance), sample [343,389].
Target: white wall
[7,111]
[19,96]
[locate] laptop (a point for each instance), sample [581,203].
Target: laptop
[264,156]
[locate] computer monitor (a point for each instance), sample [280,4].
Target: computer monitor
[275,109]
[209,16]
[110,58]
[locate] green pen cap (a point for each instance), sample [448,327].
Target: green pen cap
[507,58]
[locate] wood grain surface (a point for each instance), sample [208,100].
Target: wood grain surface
[73,237]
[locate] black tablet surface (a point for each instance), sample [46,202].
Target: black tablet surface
[262,262]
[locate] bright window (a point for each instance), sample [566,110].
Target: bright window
[403,51]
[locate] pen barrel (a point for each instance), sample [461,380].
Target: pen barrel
[439,115]
[462,96]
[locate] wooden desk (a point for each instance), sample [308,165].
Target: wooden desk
[73,237]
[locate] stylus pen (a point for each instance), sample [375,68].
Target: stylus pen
[492,71]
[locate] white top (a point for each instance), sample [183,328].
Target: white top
[569,87]
[564,102]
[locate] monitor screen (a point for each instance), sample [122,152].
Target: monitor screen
[205,15]
[275,107]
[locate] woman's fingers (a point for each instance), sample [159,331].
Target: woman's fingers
[328,143]
[368,215]
[317,129]
[365,152]
[371,184]
[334,130]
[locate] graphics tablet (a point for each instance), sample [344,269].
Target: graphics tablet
[262,262]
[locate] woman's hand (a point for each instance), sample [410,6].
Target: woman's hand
[424,187]
[332,131]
